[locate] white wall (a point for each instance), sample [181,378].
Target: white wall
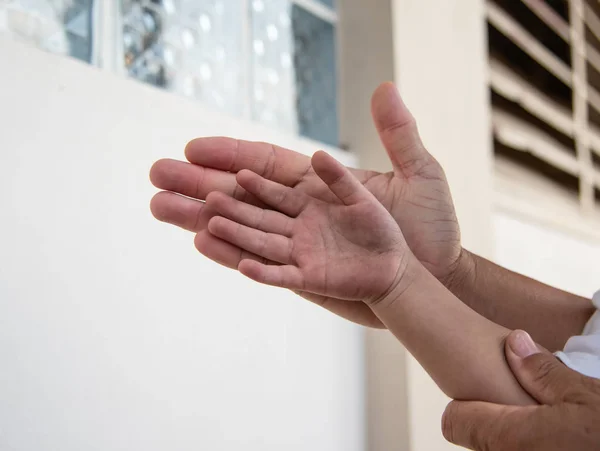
[441,69]
[367,59]
[559,259]
[114,333]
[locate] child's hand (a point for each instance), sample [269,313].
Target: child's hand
[353,250]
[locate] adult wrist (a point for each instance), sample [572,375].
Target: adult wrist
[463,274]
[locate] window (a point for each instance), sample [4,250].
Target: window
[544,61]
[273,61]
[193,48]
[315,72]
[59,26]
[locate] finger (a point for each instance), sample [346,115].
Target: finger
[484,426]
[180,211]
[541,374]
[232,155]
[398,132]
[257,218]
[280,197]
[222,252]
[193,181]
[284,276]
[268,245]
[230,256]
[357,312]
[339,179]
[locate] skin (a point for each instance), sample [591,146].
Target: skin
[566,418]
[416,194]
[351,249]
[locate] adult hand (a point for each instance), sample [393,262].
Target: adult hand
[567,419]
[416,193]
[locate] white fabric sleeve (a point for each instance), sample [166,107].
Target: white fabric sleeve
[582,353]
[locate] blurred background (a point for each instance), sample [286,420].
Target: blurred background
[115,334]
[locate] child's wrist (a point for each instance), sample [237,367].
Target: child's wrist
[413,276]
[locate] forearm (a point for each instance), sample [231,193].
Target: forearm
[550,315]
[462,351]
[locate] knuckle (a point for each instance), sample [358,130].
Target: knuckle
[413,166]
[544,371]
[290,251]
[401,131]
[270,164]
[262,244]
[260,219]
[281,197]
[289,227]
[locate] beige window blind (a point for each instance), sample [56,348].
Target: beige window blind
[544,60]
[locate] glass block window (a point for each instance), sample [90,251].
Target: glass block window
[59,26]
[191,47]
[294,83]
[315,71]
[272,61]
[273,90]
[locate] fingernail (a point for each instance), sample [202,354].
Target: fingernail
[521,344]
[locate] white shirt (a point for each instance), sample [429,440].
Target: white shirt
[582,353]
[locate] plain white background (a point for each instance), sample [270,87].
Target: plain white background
[115,334]
[553,257]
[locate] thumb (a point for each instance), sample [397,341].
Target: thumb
[339,179]
[398,131]
[541,374]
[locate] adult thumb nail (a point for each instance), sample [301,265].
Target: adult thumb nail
[521,344]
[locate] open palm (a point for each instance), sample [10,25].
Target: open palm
[415,193]
[351,250]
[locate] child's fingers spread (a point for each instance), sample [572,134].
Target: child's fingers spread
[280,197]
[340,180]
[223,252]
[258,218]
[285,276]
[268,245]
